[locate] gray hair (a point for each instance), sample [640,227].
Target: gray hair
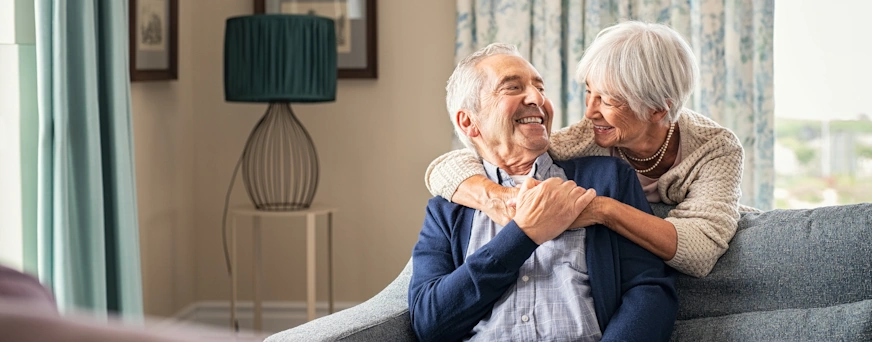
[646,65]
[464,85]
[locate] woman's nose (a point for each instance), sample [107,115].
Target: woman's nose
[589,107]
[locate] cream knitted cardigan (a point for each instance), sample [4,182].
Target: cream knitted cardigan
[705,186]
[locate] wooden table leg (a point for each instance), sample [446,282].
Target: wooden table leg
[330,261]
[233,271]
[258,305]
[310,265]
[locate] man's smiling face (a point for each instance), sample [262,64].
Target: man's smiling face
[512,120]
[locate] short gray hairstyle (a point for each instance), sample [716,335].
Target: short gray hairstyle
[646,65]
[464,85]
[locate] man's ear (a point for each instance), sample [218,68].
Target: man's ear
[467,124]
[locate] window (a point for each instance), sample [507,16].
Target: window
[823,103]
[18,134]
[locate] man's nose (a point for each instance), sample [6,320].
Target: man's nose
[534,97]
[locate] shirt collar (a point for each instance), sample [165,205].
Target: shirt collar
[540,167]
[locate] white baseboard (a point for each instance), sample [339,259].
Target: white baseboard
[277,316]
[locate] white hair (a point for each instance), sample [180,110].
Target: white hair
[646,65]
[464,85]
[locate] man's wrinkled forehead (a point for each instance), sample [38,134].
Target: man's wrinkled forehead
[501,69]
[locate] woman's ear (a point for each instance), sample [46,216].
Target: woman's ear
[466,123]
[657,115]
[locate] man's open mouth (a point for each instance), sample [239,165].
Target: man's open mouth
[530,120]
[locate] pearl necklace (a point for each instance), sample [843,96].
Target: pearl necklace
[659,154]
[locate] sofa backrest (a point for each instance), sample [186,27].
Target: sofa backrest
[787,259]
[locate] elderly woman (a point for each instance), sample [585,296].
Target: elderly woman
[638,78]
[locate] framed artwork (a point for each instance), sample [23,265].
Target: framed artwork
[153,40]
[356,44]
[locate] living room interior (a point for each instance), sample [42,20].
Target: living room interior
[374,143]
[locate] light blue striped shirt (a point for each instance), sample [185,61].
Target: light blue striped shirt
[551,300]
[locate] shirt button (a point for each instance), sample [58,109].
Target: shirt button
[525,318]
[525,278]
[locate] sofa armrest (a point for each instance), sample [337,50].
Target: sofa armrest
[384,317]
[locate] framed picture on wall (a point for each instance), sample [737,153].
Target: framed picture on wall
[153,40]
[356,44]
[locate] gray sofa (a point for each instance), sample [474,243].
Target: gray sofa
[789,275]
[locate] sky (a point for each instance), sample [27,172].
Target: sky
[823,59]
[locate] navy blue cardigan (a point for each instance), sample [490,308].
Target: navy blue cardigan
[633,290]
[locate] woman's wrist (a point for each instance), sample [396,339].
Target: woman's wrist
[479,192]
[599,210]
[476,192]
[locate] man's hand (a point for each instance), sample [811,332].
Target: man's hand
[546,209]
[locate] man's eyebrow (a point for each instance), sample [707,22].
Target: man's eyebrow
[507,79]
[512,78]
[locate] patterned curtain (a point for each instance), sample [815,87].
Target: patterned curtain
[732,41]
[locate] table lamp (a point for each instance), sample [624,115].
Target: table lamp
[279,59]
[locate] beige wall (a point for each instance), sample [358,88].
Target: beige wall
[163,126]
[374,144]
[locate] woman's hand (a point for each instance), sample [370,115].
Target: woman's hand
[481,193]
[592,214]
[500,207]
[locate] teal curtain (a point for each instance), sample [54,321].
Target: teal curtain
[87,234]
[732,42]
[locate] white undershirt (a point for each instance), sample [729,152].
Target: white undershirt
[520,179]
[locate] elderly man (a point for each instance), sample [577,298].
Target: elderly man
[532,279]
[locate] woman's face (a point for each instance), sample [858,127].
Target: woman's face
[615,124]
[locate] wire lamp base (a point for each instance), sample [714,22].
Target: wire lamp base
[279,163]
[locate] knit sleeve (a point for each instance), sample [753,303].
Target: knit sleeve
[707,217]
[447,171]
[574,141]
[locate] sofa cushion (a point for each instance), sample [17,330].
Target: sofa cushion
[787,259]
[845,322]
[19,286]
[384,317]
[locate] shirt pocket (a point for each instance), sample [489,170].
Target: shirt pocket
[567,249]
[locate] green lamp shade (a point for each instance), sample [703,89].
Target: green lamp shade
[280,58]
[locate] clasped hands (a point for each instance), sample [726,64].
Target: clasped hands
[542,209]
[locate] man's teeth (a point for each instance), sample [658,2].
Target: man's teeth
[602,127]
[530,120]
